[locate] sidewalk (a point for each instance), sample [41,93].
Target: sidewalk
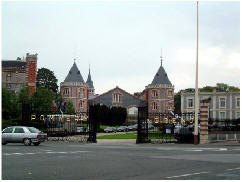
[133,142]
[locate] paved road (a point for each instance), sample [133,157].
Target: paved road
[126,161]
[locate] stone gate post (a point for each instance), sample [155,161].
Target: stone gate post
[204,115]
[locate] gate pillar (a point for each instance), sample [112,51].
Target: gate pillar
[204,115]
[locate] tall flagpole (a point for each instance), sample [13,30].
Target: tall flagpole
[196,93]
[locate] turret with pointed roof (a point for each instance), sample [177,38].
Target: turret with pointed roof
[161,77]
[75,90]
[74,75]
[90,84]
[160,93]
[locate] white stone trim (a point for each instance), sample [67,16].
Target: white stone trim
[224,115]
[236,97]
[187,100]
[225,100]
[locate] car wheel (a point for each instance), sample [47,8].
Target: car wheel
[36,144]
[27,142]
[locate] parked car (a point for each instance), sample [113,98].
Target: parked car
[110,129]
[79,129]
[131,128]
[23,134]
[135,126]
[122,128]
[150,126]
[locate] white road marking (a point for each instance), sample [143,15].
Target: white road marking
[29,153]
[78,152]
[204,172]
[196,150]
[232,169]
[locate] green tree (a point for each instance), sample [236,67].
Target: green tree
[177,102]
[43,101]
[23,95]
[70,108]
[46,79]
[19,58]
[11,112]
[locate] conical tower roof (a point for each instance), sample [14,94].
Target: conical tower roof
[74,75]
[161,77]
[89,80]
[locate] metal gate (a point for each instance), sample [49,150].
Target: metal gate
[61,126]
[164,127]
[142,129]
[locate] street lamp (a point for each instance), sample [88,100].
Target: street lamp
[196,92]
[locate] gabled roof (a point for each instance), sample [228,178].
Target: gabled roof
[89,80]
[13,64]
[161,77]
[74,75]
[116,88]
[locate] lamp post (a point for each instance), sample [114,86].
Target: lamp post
[196,92]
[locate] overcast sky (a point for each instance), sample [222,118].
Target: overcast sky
[122,41]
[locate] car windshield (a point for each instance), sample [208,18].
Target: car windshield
[34,130]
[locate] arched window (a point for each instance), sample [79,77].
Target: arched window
[133,110]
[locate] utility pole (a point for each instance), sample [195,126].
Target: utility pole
[196,93]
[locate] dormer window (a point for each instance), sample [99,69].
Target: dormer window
[117,97]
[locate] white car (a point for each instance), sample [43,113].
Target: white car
[23,134]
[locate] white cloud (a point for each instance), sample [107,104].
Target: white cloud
[215,65]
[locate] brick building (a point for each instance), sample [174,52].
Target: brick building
[118,97]
[74,89]
[17,73]
[159,95]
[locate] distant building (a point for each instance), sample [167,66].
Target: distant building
[75,90]
[118,97]
[17,73]
[159,95]
[224,103]
[89,81]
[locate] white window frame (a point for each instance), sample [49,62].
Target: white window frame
[220,115]
[236,102]
[170,94]
[237,115]
[81,104]
[66,92]
[81,92]
[154,93]
[190,98]
[154,106]
[220,102]
[116,98]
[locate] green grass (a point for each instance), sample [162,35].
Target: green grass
[105,126]
[119,136]
[133,136]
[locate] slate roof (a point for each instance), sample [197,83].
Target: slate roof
[74,75]
[89,80]
[13,64]
[161,77]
